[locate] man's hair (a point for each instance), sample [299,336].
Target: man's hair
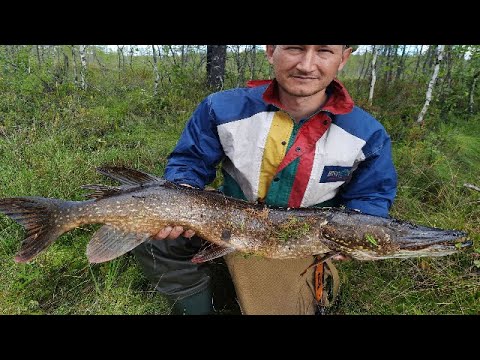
[354,47]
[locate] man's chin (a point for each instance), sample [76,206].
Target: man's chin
[302,92]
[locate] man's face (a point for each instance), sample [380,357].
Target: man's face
[305,70]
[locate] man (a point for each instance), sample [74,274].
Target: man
[296,141]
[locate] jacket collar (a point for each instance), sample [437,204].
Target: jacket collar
[339,101]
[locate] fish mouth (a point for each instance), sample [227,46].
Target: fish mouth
[422,237]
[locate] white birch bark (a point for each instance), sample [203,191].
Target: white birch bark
[472,92]
[374,75]
[155,71]
[132,50]
[83,69]
[121,59]
[37,47]
[75,74]
[28,64]
[431,84]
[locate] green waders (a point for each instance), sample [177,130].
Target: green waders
[166,263]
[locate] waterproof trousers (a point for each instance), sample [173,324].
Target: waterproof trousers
[262,286]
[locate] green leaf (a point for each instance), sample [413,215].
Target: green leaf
[476,263]
[371,239]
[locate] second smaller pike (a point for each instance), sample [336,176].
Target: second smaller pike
[132,213]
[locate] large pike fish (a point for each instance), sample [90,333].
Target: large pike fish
[144,204]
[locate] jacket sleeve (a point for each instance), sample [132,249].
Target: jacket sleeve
[198,151]
[373,185]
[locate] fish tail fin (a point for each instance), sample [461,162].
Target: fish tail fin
[37,216]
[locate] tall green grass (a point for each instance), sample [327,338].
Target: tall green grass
[432,166]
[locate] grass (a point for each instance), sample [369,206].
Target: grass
[51,150]
[432,169]
[50,144]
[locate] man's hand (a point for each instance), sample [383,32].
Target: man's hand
[341,257]
[170,233]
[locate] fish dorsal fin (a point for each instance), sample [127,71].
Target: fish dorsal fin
[109,243]
[212,251]
[101,191]
[128,176]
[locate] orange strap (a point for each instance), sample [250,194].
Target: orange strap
[319,283]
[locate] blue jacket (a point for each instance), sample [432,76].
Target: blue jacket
[340,155]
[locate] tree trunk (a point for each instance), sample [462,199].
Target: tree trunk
[472,92]
[216,58]
[37,47]
[419,56]
[132,49]
[431,84]
[75,74]
[401,64]
[241,64]
[155,71]
[362,70]
[66,67]
[183,58]
[121,60]
[83,68]
[253,62]
[391,57]
[374,75]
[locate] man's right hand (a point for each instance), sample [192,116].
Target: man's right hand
[170,233]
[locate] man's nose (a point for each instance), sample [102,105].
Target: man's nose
[307,62]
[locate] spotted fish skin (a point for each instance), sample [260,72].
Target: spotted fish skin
[145,204]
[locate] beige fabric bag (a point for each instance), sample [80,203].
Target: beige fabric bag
[273,286]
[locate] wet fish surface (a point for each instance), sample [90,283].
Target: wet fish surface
[144,204]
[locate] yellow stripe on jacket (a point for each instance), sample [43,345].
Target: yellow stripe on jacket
[275,149]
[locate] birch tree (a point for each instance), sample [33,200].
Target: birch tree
[419,55]
[431,84]
[401,64]
[472,92]
[132,50]
[121,59]
[155,71]
[241,62]
[374,75]
[39,57]
[83,68]
[363,68]
[253,61]
[74,58]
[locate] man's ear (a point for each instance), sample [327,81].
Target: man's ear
[269,49]
[345,55]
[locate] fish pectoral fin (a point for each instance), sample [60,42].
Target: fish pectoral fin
[212,251]
[109,243]
[128,176]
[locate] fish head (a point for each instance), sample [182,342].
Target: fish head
[420,241]
[396,239]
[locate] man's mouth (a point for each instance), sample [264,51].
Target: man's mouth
[300,77]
